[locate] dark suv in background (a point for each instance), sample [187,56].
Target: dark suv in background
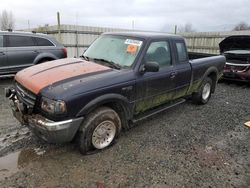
[19,50]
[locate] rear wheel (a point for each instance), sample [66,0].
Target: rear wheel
[99,130]
[204,93]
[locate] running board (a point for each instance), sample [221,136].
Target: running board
[158,110]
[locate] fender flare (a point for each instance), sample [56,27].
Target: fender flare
[209,71]
[101,100]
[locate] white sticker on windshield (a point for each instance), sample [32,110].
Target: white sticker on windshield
[133,42]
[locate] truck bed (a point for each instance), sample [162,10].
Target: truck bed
[196,55]
[201,64]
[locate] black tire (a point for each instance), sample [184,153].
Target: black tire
[199,97]
[94,119]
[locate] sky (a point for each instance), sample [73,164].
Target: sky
[151,15]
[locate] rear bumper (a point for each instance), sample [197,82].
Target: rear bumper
[50,131]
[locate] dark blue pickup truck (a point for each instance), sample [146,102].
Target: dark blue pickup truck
[120,79]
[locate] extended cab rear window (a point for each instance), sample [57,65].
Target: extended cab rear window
[181,51]
[43,42]
[20,41]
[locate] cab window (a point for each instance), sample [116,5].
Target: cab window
[159,52]
[181,51]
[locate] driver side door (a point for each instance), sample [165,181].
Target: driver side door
[156,88]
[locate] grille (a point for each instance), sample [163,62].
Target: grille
[25,96]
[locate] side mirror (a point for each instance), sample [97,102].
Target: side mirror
[150,66]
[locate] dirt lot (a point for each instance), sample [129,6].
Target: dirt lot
[187,146]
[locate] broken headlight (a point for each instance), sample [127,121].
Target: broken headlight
[53,106]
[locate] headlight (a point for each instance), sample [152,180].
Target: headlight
[52,106]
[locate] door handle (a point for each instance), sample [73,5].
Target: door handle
[2,53]
[35,51]
[173,75]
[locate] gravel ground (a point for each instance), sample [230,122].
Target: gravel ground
[186,146]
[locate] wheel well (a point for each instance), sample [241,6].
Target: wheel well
[44,60]
[121,110]
[213,77]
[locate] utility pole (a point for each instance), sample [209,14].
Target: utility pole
[77,53]
[175,29]
[59,26]
[29,24]
[133,24]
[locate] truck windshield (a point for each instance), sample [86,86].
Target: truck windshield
[114,50]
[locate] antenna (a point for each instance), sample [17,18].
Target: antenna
[59,26]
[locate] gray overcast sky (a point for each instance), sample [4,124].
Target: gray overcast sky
[157,15]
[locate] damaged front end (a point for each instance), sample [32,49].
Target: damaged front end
[236,49]
[237,65]
[23,102]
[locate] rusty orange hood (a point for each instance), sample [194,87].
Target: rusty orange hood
[40,76]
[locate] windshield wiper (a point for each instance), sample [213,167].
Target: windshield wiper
[109,63]
[85,57]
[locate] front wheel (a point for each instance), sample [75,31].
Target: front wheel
[99,130]
[204,93]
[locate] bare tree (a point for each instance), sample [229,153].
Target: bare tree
[241,26]
[7,20]
[186,28]
[167,28]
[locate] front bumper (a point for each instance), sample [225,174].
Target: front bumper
[242,76]
[48,130]
[54,132]
[236,72]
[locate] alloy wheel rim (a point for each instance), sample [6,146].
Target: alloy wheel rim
[206,91]
[103,134]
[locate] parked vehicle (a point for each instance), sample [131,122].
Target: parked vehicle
[237,52]
[19,50]
[121,78]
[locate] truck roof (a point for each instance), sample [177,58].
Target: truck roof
[145,35]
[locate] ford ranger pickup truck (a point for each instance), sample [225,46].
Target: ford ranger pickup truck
[120,79]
